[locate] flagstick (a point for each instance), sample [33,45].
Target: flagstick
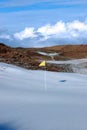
[43,63]
[45,82]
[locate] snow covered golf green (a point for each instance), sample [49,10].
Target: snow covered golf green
[29,102]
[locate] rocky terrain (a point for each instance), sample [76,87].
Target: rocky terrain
[31,57]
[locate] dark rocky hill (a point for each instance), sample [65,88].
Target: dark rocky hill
[31,57]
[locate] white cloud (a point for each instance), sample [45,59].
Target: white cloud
[64,30]
[26,33]
[48,30]
[77,25]
[5,36]
[61,32]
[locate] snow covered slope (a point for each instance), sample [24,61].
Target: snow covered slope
[35,100]
[78,65]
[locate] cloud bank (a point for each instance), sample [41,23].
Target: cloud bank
[74,32]
[26,33]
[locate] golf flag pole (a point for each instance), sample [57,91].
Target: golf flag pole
[43,64]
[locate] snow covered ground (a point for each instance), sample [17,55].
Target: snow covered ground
[49,54]
[76,62]
[78,65]
[31,101]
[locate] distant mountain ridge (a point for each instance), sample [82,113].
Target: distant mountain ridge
[30,57]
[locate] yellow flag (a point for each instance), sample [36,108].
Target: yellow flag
[43,63]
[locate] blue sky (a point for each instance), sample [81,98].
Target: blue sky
[19,17]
